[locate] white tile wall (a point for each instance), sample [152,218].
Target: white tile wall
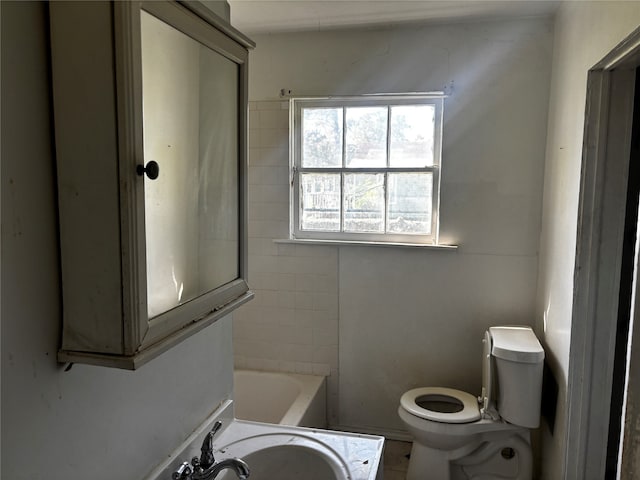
[406,317]
[292,324]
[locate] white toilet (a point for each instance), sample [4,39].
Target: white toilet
[460,437]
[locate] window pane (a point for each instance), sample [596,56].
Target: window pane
[410,203]
[322,137]
[320,201]
[366,137]
[412,133]
[364,202]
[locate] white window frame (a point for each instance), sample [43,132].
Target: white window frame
[296,107]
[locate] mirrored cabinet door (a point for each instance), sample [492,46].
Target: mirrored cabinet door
[170,256]
[190,129]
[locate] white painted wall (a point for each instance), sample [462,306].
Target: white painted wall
[384,320]
[89,422]
[584,32]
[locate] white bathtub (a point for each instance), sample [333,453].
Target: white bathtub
[281,398]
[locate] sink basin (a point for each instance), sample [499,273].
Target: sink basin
[280,452]
[295,453]
[288,462]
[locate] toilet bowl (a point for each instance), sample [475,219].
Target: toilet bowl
[458,436]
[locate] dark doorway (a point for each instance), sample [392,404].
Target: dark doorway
[616,419]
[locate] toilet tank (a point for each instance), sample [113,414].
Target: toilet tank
[518,358]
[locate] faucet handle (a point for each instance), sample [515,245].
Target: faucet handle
[206,457]
[216,427]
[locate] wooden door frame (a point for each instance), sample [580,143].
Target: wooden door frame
[601,221]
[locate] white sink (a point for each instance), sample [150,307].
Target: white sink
[281,452]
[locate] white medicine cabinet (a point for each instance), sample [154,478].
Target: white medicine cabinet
[150,114]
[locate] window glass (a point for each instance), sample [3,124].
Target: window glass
[410,203]
[412,135]
[322,137]
[364,202]
[320,202]
[366,137]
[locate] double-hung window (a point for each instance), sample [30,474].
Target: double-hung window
[366,168]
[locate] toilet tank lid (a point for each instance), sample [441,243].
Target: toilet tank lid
[516,343]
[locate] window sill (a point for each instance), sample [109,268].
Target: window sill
[351,243]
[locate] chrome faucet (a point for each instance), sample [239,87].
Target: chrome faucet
[205,467]
[240,468]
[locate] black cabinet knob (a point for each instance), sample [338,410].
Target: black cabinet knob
[152,170]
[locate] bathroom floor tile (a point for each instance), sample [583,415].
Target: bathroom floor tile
[396,456]
[394,475]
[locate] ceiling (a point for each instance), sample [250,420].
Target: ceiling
[277,16]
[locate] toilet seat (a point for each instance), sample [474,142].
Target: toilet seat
[468,412]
